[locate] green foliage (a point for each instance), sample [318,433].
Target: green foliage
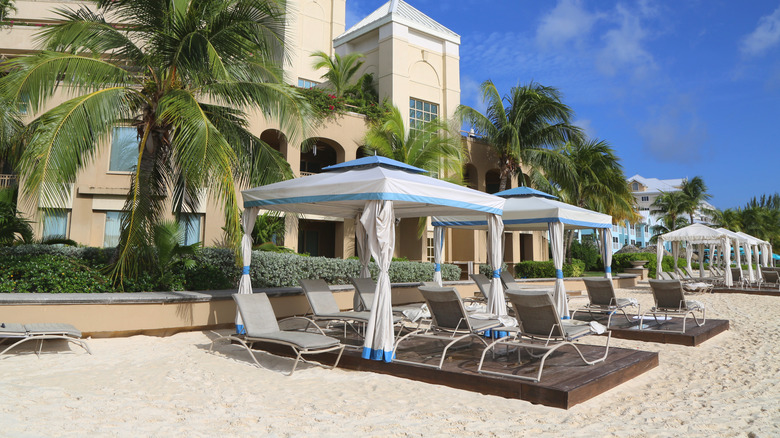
[267,226]
[622,261]
[532,269]
[324,104]
[487,271]
[50,274]
[588,253]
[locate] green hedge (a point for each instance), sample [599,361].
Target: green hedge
[50,274]
[546,269]
[46,268]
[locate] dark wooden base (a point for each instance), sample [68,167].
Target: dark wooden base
[566,381]
[693,336]
[774,292]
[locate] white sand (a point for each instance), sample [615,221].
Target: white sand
[149,386]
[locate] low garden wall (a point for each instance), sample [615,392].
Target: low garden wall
[166,313]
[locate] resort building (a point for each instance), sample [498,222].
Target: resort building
[416,65]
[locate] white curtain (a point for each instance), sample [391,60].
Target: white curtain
[245,283]
[738,257]
[701,260]
[364,255]
[495,252]
[606,251]
[559,292]
[725,255]
[712,256]
[438,248]
[757,262]
[378,219]
[659,257]
[675,254]
[689,256]
[749,259]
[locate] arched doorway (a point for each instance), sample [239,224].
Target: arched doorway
[322,153]
[492,181]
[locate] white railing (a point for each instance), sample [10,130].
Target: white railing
[7,180]
[307,173]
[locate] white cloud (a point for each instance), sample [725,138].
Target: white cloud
[568,21]
[676,134]
[763,37]
[623,46]
[587,127]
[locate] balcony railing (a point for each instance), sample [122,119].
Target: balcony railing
[7,180]
[307,173]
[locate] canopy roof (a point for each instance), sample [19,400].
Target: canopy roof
[733,235]
[525,210]
[342,191]
[752,240]
[694,233]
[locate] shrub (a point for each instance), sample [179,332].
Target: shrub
[50,274]
[532,269]
[588,253]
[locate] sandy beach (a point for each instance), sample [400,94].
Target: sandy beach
[151,386]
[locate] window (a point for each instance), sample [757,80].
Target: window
[305,83]
[55,224]
[633,242]
[615,239]
[113,228]
[645,198]
[190,224]
[644,209]
[635,187]
[124,149]
[430,248]
[421,112]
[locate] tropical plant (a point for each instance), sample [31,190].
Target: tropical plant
[184,73]
[695,193]
[171,253]
[13,227]
[525,127]
[670,206]
[432,147]
[339,70]
[6,8]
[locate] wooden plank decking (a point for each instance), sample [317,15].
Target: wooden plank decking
[566,380]
[693,336]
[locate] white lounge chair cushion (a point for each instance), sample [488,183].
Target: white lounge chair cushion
[42,328]
[301,339]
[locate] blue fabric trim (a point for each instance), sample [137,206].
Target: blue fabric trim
[240,329]
[371,354]
[245,271]
[437,267]
[373,196]
[565,317]
[540,220]
[608,269]
[497,273]
[373,161]
[559,274]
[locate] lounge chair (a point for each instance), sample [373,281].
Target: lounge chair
[540,328]
[670,299]
[40,332]
[483,284]
[324,307]
[737,278]
[449,322]
[771,277]
[508,280]
[601,295]
[366,289]
[261,326]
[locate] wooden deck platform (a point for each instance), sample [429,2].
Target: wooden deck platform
[566,380]
[693,336]
[773,292]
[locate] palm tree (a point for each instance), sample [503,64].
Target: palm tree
[729,218]
[6,7]
[696,192]
[598,182]
[523,127]
[340,71]
[13,227]
[670,205]
[433,147]
[183,73]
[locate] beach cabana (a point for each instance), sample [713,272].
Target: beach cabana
[375,191]
[694,234]
[527,209]
[737,241]
[758,247]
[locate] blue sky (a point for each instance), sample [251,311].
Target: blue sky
[678,88]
